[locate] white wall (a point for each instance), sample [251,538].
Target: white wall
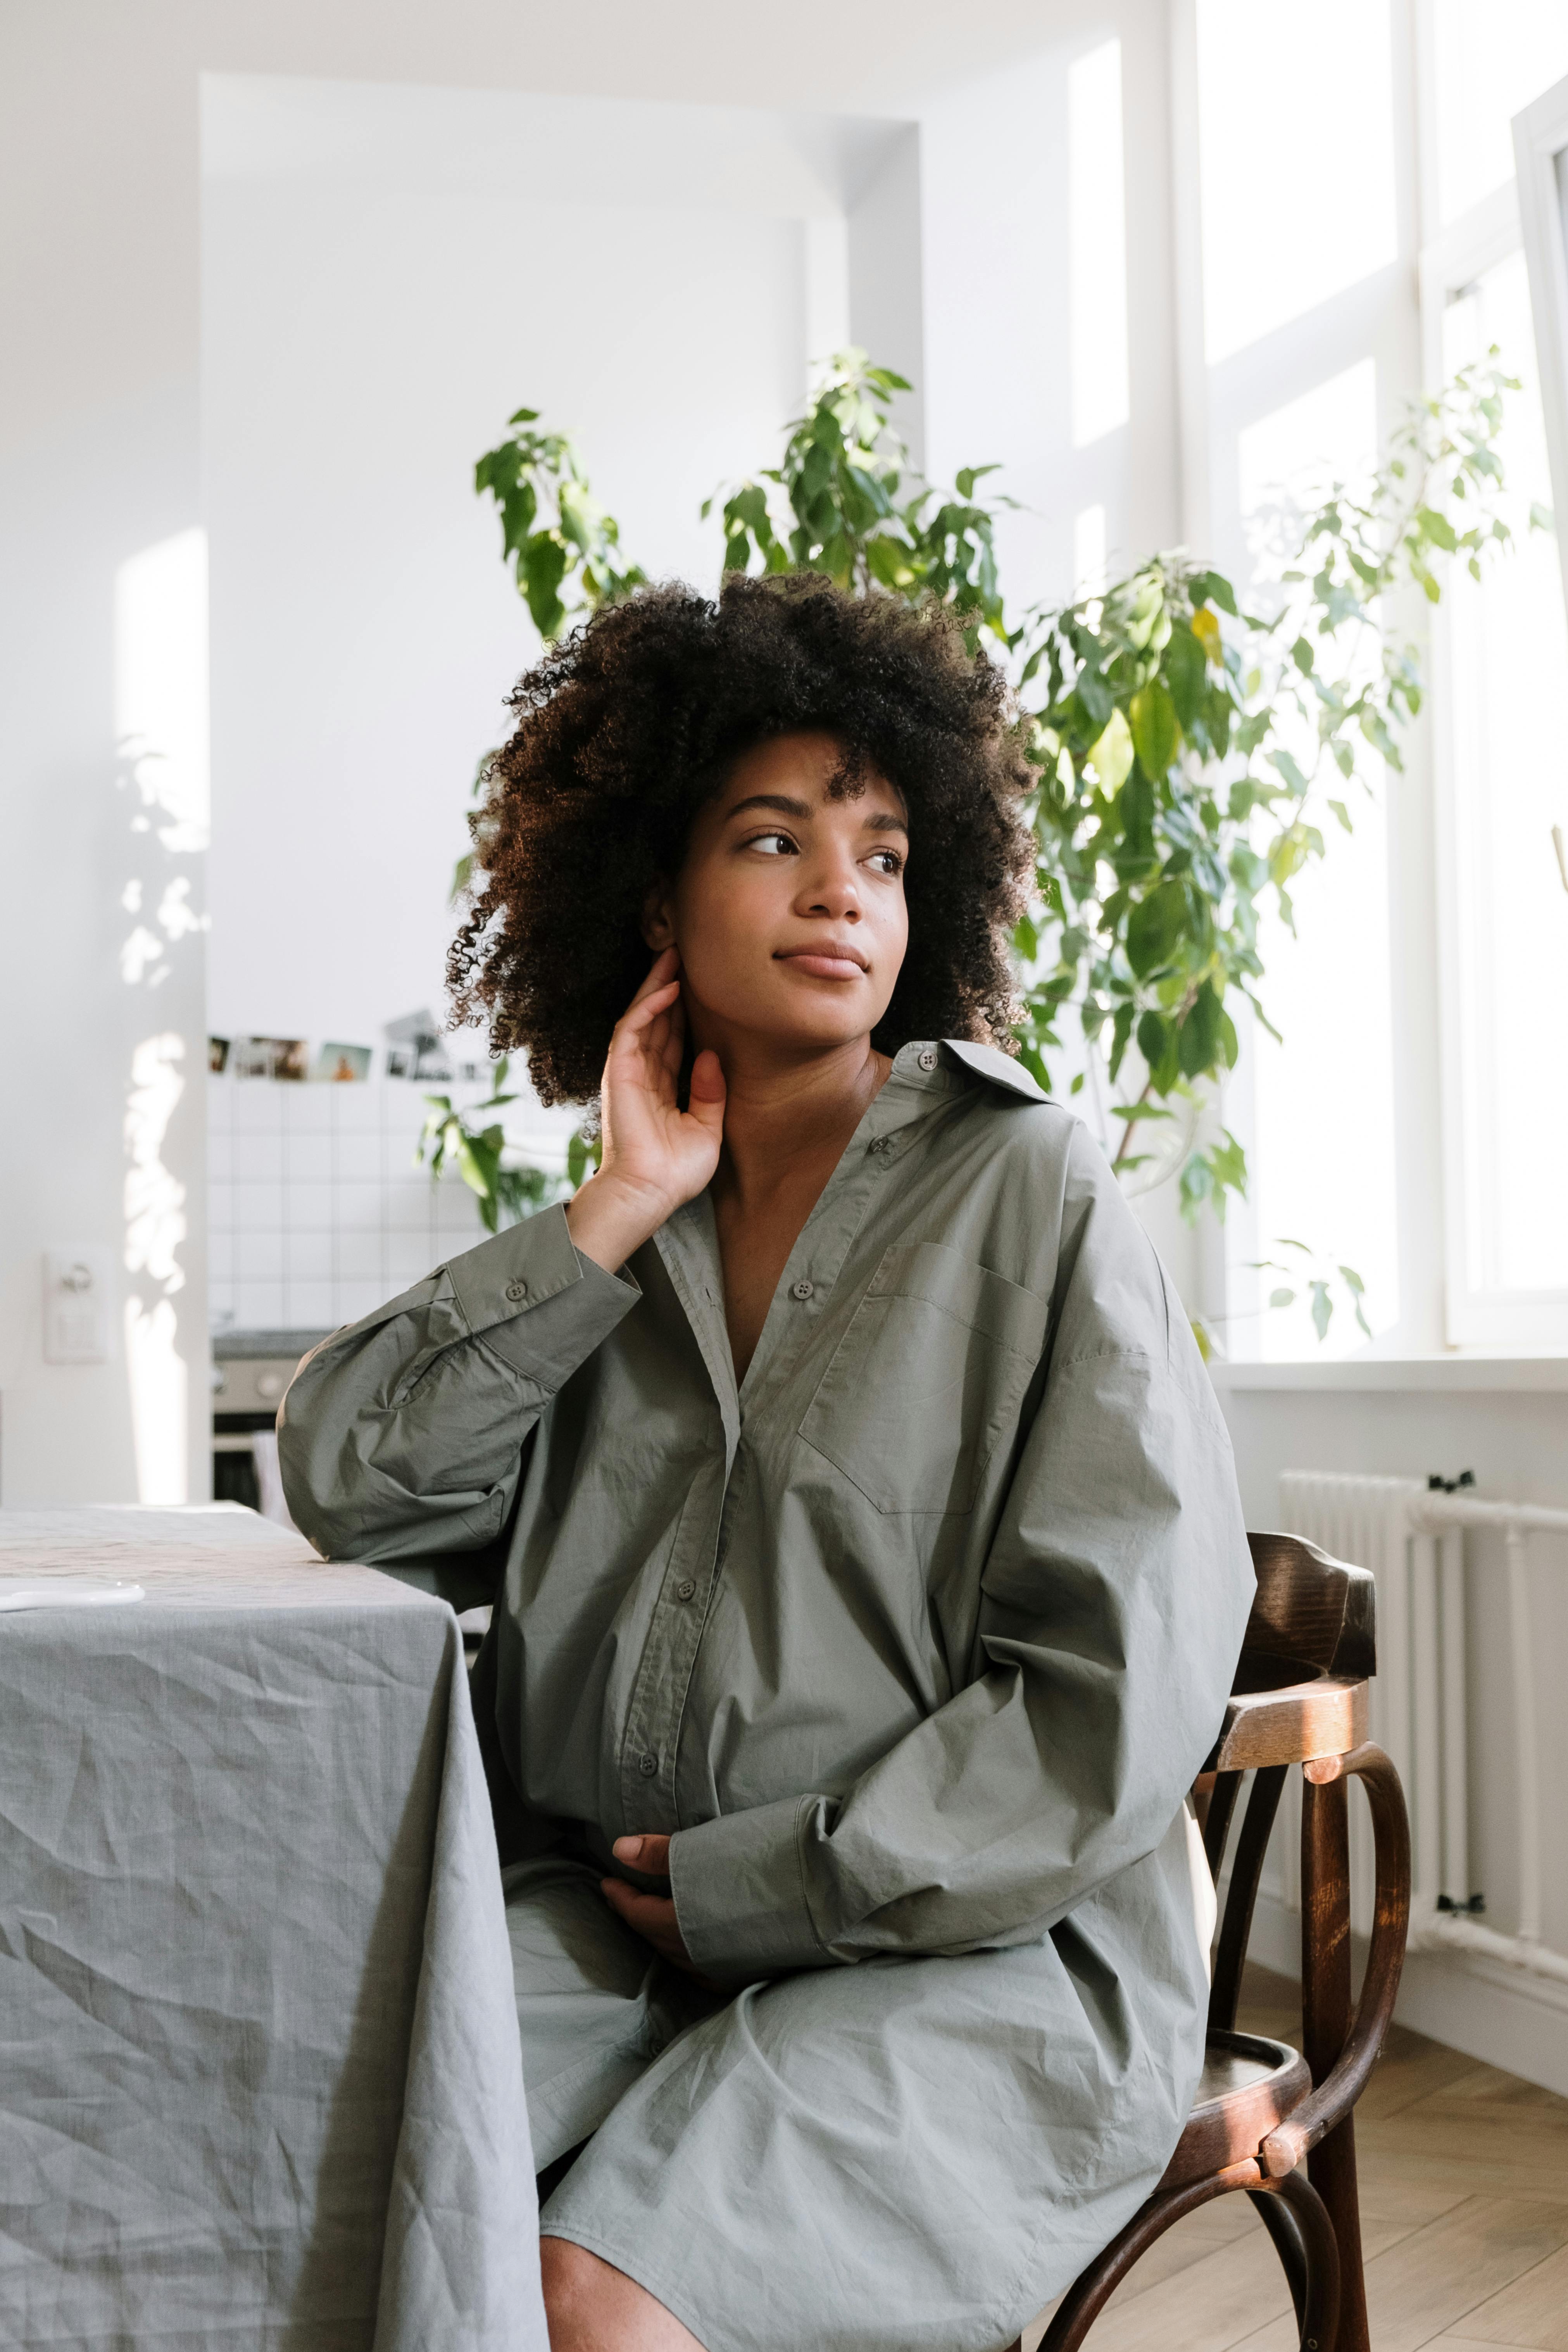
[373,313]
[100,279]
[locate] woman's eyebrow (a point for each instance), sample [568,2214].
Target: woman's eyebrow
[780,801]
[880,821]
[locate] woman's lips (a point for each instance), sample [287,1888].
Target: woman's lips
[824,963]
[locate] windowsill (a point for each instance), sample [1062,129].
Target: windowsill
[1457,1372]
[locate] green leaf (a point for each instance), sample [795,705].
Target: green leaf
[1111,753]
[1186,674]
[1322,1309]
[1213,588]
[1437,528]
[1200,1042]
[1157,734]
[1154,1033]
[1121,1031]
[1281,1298]
[1155,927]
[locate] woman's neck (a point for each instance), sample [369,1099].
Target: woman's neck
[786,1118]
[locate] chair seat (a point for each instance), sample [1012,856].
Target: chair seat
[1248,2086]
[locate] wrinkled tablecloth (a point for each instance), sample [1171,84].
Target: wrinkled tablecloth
[259,2071]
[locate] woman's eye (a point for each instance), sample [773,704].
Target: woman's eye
[887,861]
[772,845]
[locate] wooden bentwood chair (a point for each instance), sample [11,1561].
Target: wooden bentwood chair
[1300,1698]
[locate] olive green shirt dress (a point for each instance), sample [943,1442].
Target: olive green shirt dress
[913,1642]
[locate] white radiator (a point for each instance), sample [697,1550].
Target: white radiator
[1413,1540]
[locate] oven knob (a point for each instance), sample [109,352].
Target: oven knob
[269,1384]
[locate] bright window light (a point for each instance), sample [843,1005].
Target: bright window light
[1510,652]
[1096,233]
[1322,1145]
[1486,72]
[1296,159]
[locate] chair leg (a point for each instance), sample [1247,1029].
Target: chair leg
[1279,2219]
[1318,2317]
[1325,2020]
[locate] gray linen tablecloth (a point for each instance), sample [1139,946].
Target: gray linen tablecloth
[259,2070]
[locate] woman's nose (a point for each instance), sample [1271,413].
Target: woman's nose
[833,889]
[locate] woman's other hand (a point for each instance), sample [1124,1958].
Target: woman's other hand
[656,1155]
[651,1917]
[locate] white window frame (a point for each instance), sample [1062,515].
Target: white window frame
[1540,160]
[1477,1317]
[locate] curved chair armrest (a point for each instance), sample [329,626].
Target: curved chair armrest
[1339,2090]
[1322,1717]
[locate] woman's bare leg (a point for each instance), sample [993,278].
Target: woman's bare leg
[594,2308]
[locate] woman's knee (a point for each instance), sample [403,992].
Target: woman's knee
[594,2308]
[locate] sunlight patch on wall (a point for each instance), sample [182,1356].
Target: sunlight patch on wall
[161,686]
[1088,553]
[161,715]
[154,1228]
[1097,245]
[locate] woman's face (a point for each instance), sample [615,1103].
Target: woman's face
[789,908]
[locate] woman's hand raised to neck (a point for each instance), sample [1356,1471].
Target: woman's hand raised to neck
[780,941]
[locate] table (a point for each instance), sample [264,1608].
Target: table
[259,2071]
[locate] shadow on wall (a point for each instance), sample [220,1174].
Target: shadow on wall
[162,777]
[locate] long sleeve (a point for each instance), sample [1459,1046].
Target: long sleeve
[1114,1597]
[405,1434]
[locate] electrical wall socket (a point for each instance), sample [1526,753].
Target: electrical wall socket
[78,1287]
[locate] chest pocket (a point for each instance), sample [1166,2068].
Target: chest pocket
[927,1380]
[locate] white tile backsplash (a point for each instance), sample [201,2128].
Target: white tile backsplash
[311,1207]
[308,1159]
[318,1212]
[357,1160]
[310,1254]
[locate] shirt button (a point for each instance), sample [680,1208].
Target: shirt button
[516,1290]
[685,1588]
[926,1057]
[647,1766]
[883,1144]
[801,1290]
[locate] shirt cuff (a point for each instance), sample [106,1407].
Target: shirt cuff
[739,1885]
[535,1301]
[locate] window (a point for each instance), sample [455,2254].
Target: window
[1503,655]
[1412,1125]
[1306,315]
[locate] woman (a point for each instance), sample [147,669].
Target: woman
[873,1566]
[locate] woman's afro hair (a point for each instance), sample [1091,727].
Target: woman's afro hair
[630,723]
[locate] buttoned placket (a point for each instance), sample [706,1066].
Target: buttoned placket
[689,1247]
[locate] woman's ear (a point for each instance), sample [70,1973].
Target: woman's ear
[658,925]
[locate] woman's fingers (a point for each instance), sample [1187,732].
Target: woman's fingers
[661,971]
[647,1006]
[706,1100]
[649,1853]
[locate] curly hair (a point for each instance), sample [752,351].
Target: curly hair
[629,724]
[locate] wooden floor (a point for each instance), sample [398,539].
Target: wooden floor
[1463,2200]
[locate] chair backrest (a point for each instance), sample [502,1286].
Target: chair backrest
[1319,1612]
[1314,1616]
